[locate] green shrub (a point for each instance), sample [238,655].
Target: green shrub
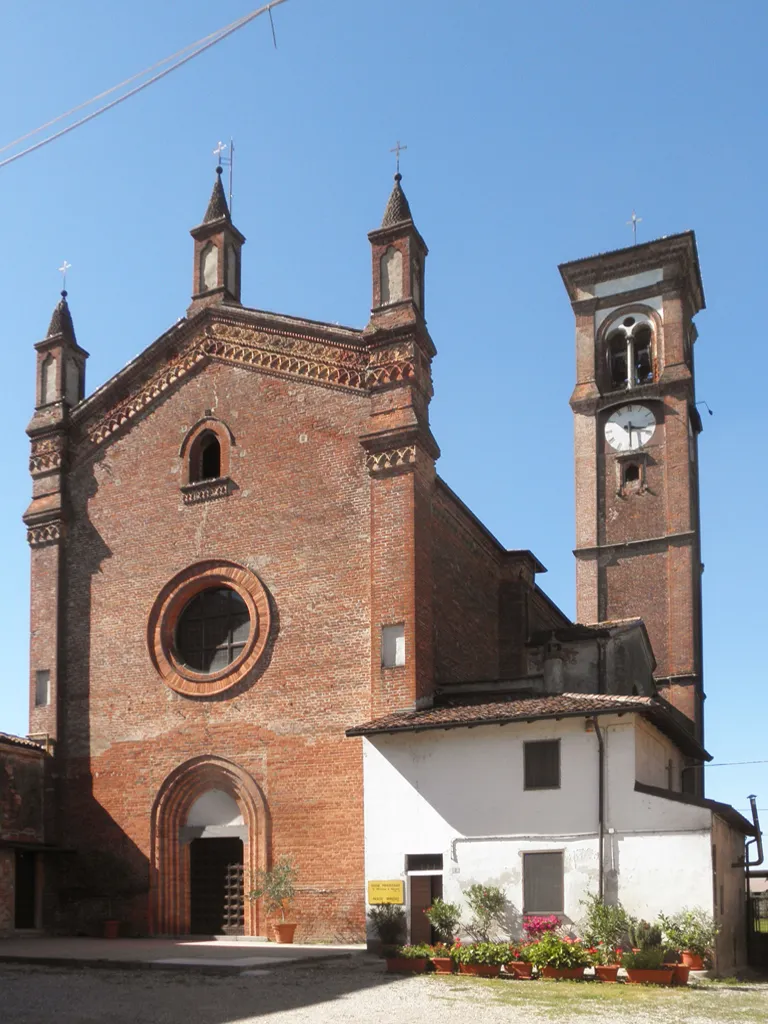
[692,930]
[481,953]
[444,918]
[650,959]
[553,950]
[487,903]
[388,922]
[420,952]
[605,925]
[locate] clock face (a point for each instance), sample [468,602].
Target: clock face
[630,427]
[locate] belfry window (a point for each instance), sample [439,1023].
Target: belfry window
[629,354]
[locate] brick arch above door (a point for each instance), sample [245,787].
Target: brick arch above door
[170,886]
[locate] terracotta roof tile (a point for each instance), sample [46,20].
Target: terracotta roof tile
[521,709]
[19,741]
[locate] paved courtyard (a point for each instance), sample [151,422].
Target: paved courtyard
[342,991]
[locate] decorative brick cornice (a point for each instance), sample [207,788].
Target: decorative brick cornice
[45,533]
[394,458]
[46,454]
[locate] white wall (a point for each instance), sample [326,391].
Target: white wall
[460,793]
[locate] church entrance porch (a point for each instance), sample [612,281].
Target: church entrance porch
[216,886]
[209,838]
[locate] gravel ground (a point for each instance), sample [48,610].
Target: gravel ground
[347,991]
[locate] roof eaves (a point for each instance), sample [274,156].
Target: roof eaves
[730,814]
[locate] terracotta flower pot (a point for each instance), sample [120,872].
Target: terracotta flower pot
[442,964]
[111,929]
[519,969]
[481,970]
[571,973]
[284,931]
[681,972]
[643,976]
[606,972]
[692,960]
[406,965]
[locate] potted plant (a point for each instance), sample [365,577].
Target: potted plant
[482,959]
[277,887]
[445,919]
[606,929]
[409,960]
[692,932]
[557,956]
[388,922]
[487,903]
[440,957]
[644,964]
[519,963]
[536,925]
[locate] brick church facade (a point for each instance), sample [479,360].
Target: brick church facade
[289,463]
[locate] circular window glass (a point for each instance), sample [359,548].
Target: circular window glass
[212,630]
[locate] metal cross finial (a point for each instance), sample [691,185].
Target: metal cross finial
[219,150]
[397,150]
[634,221]
[63,271]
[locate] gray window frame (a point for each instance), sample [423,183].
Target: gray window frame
[543,853]
[528,744]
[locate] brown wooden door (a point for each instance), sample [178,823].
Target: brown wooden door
[216,879]
[424,890]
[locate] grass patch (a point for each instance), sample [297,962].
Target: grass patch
[566,1000]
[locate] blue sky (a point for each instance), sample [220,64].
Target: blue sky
[533,130]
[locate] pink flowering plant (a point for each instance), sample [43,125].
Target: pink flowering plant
[520,953]
[536,925]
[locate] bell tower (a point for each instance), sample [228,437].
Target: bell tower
[638,544]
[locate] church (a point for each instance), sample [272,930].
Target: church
[262,625]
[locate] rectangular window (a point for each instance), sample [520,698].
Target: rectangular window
[542,764]
[542,883]
[42,688]
[424,862]
[393,646]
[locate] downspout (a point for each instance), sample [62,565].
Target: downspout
[600,805]
[758,840]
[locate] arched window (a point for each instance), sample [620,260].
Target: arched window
[629,353]
[48,380]
[209,267]
[391,276]
[206,459]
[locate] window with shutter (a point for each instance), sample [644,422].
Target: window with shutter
[542,764]
[542,883]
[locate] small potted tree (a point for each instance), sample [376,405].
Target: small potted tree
[605,929]
[645,963]
[388,922]
[692,932]
[277,887]
[445,919]
[487,903]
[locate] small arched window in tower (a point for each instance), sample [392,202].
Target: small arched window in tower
[231,270]
[210,458]
[209,267]
[391,276]
[47,380]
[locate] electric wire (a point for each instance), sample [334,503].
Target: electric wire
[197,48]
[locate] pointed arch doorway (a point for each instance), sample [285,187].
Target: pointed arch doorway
[209,837]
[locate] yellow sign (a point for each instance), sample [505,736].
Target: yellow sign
[386,892]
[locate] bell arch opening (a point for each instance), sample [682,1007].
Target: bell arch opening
[209,836]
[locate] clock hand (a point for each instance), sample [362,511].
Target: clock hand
[630,428]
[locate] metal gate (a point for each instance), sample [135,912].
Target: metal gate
[757,929]
[216,878]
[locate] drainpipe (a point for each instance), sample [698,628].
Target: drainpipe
[600,804]
[758,840]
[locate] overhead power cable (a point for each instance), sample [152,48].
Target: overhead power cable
[197,48]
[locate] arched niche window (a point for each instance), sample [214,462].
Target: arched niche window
[209,267]
[391,276]
[205,455]
[629,353]
[209,459]
[47,380]
[232,270]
